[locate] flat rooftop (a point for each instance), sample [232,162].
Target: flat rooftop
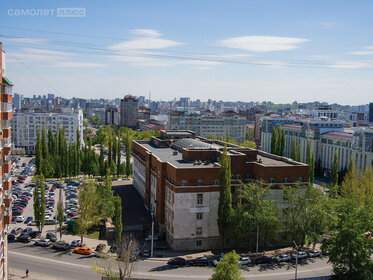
[267,161]
[167,155]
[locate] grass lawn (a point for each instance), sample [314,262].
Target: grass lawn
[93,234]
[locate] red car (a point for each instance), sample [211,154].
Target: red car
[21,177]
[19,207]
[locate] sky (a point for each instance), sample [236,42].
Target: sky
[239,50]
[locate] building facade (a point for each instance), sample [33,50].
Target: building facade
[6,164]
[177,175]
[325,137]
[207,126]
[129,107]
[26,124]
[17,102]
[112,115]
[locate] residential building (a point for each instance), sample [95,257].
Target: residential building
[177,175]
[371,112]
[26,124]
[207,126]
[129,106]
[17,101]
[325,137]
[112,115]
[6,164]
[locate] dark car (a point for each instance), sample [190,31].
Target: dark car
[51,236]
[113,248]
[17,230]
[34,234]
[25,238]
[61,246]
[100,247]
[11,237]
[203,261]
[264,259]
[26,230]
[17,212]
[176,261]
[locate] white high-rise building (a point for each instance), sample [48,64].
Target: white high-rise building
[25,125]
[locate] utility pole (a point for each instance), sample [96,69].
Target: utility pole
[151,245]
[296,261]
[257,240]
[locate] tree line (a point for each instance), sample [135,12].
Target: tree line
[341,221]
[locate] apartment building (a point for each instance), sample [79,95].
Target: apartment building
[325,137]
[129,106]
[26,124]
[177,175]
[6,164]
[205,126]
[112,115]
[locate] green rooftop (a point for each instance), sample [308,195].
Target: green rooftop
[6,81]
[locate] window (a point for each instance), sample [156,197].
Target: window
[216,182]
[184,182]
[271,180]
[199,230]
[199,243]
[199,198]
[300,179]
[199,216]
[286,180]
[199,182]
[238,176]
[284,237]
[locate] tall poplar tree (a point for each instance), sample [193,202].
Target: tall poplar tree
[51,150]
[311,168]
[274,141]
[293,154]
[118,219]
[281,142]
[128,155]
[78,144]
[299,154]
[334,176]
[118,156]
[225,195]
[38,153]
[44,147]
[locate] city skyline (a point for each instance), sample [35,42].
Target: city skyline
[241,51]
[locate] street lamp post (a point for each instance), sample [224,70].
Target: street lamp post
[151,245]
[296,261]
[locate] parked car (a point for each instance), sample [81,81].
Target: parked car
[75,243]
[16,230]
[51,236]
[203,261]
[61,245]
[113,249]
[301,255]
[264,259]
[35,233]
[82,250]
[25,238]
[314,253]
[11,237]
[176,261]
[26,230]
[283,258]
[100,247]
[43,242]
[149,237]
[50,222]
[244,260]
[20,219]
[32,223]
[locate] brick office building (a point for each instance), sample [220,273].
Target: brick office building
[177,174]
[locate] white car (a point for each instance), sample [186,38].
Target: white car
[20,219]
[244,261]
[283,258]
[301,255]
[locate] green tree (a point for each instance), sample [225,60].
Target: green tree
[293,155]
[44,147]
[78,144]
[299,154]
[38,153]
[101,161]
[60,212]
[39,202]
[311,169]
[88,211]
[350,251]
[118,156]
[109,157]
[128,156]
[118,219]
[113,168]
[281,142]
[334,176]
[225,195]
[248,144]
[274,140]
[51,144]
[228,268]
[308,153]
[106,206]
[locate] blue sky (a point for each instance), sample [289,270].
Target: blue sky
[226,50]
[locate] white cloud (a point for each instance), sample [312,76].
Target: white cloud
[145,39]
[28,40]
[78,64]
[350,65]
[367,51]
[262,43]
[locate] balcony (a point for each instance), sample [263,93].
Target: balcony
[7,115]
[7,166]
[7,183]
[7,132]
[7,98]
[7,150]
[7,107]
[8,202]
